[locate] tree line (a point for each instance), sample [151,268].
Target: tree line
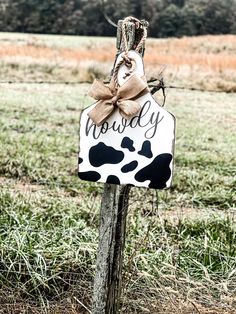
[167,18]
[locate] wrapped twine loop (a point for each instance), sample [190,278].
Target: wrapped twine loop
[138,25]
[111,96]
[129,62]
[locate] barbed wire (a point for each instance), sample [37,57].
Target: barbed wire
[154,86]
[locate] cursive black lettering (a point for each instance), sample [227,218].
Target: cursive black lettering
[91,127]
[145,119]
[154,120]
[104,127]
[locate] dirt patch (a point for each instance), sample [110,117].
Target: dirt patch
[20,186]
[190,213]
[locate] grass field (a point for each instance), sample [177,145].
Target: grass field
[180,253]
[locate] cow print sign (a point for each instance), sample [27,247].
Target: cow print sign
[137,151]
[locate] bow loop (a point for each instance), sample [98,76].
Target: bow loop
[123,97]
[100,91]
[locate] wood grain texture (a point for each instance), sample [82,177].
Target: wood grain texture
[114,207]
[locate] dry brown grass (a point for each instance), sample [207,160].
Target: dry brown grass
[68,306]
[103,54]
[215,52]
[206,62]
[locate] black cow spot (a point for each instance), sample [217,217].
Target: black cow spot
[101,154]
[129,167]
[113,179]
[158,172]
[127,143]
[146,149]
[89,176]
[80,160]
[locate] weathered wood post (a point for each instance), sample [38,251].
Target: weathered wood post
[114,208]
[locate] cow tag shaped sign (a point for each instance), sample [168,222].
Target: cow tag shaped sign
[137,150]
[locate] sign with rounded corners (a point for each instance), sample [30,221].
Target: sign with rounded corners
[139,150]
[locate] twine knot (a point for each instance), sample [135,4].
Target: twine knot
[114,99]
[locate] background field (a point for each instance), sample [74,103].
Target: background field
[181,244]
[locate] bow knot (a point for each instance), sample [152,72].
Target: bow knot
[123,97]
[114,99]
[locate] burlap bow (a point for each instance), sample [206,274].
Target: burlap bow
[109,97]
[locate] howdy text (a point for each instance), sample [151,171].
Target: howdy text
[144,119]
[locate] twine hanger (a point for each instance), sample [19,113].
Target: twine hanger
[124,97]
[138,25]
[129,62]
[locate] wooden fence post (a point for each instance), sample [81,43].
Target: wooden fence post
[114,208]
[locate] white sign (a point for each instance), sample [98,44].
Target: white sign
[137,151]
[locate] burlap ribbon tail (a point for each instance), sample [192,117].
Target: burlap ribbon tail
[109,97]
